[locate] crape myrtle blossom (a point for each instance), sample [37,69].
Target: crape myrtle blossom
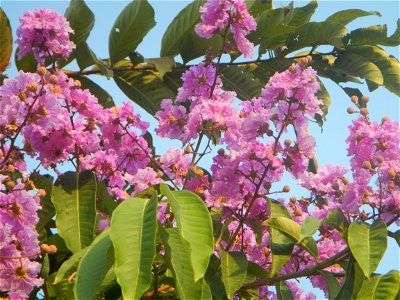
[217,15]
[45,33]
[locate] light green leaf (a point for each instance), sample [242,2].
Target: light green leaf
[6,41]
[282,291]
[234,270]
[74,197]
[81,19]
[162,64]
[133,234]
[130,28]
[145,88]
[333,284]
[360,66]
[102,95]
[310,246]
[288,226]
[181,26]
[194,225]
[93,267]
[344,17]
[70,263]
[317,33]
[241,81]
[337,220]
[309,227]
[368,244]
[178,257]
[381,287]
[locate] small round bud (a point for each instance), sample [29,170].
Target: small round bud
[335,186]
[9,185]
[52,249]
[293,199]
[44,247]
[309,58]
[286,189]
[29,185]
[391,174]
[380,159]
[365,99]
[32,87]
[22,96]
[364,111]
[288,142]
[41,193]
[53,79]
[42,71]
[384,119]
[354,99]
[365,200]
[367,165]
[351,110]
[221,152]
[267,185]
[10,168]
[298,212]
[345,180]
[292,69]
[188,150]
[77,83]
[304,60]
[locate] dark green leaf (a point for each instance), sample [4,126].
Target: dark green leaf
[69,264]
[234,270]
[145,88]
[354,279]
[47,210]
[74,197]
[337,220]
[5,41]
[81,19]
[302,15]
[181,26]
[130,28]
[282,291]
[333,284]
[344,17]
[256,7]
[27,63]
[192,46]
[133,234]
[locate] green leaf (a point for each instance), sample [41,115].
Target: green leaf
[102,95]
[85,57]
[74,197]
[373,35]
[368,244]
[241,81]
[317,33]
[344,17]
[354,279]
[178,257]
[283,224]
[256,7]
[266,69]
[93,267]
[27,63]
[145,88]
[256,270]
[6,41]
[70,263]
[47,210]
[324,96]
[337,220]
[62,290]
[381,287]
[81,19]
[281,244]
[360,66]
[309,227]
[194,225]
[130,28]
[333,284]
[162,64]
[181,26]
[388,65]
[308,244]
[282,291]
[133,234]
[234,270]
[193,46]
[302,15]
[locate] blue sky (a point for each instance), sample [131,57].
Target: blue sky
[331,147]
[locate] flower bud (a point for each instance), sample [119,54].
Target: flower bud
[42,71]
[384,119]
[29,185]
[345,180]
[52,249]
[367,165]
[32,87]
[380,159]
[45,248]
[335,186]
[9,184]
[41,193]
[188,150]
[22,96]
[10,168]
[288,142]
[351,110]
[53,79]
[293,199]
[267,185]
[221,152]
[364,111]
[309,58]
[365,99]
[78,83]
[354,99]
[298,212]
[391,174]
[292,69]
[286,189]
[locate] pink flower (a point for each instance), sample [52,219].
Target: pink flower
[45,33]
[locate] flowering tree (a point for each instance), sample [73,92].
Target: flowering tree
[128,222]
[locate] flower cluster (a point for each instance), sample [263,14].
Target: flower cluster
[45,33]
[219,15]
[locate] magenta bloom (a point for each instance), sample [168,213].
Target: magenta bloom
[46,33]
